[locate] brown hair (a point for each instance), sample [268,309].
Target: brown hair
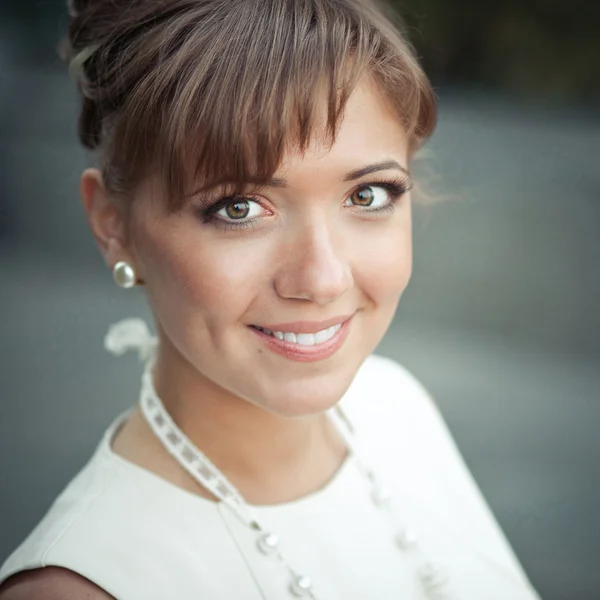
[211,91]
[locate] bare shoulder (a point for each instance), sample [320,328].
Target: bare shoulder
[51,583]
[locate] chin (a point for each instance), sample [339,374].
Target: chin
[308,398]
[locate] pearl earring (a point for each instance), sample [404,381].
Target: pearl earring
[124,275]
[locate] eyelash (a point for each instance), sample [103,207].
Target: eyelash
[395,187]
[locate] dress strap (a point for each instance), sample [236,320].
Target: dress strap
[131,334]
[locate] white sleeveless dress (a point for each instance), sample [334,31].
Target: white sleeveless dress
[139,537]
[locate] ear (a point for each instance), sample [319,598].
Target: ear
[106,220]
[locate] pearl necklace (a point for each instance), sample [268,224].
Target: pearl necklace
[133,334]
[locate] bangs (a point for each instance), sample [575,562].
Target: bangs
[231,88]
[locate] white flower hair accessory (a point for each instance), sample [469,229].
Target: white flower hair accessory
[130,334]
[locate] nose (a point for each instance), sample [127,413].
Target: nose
[314,266]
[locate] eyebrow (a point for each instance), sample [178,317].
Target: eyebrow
[383,166]
[356,174]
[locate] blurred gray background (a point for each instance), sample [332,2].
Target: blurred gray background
[501,320]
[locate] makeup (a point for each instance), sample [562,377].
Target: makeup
[305,353]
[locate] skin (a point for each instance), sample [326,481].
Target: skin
[311,255]
[51,583]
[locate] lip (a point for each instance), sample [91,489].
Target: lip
[300,353]
[307,326]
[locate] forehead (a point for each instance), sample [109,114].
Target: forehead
[370,130]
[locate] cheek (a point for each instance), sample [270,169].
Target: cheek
[386,263]
[190,274]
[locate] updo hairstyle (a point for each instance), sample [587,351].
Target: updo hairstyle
[207,92]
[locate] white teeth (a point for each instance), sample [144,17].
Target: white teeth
[326,334]
[305,339]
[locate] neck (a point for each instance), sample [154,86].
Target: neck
[269,458]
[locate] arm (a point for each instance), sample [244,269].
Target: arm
[51,583]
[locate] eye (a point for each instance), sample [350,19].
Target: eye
[372,197]
[237,209]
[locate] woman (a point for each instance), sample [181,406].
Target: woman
[255,180]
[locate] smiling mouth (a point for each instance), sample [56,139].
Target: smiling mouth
[303,339]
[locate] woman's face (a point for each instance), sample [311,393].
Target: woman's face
[330,241]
